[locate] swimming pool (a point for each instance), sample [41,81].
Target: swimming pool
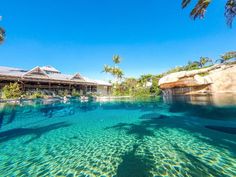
[127,138]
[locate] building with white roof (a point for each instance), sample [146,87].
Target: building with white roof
[49,78]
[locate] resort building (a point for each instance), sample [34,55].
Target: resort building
[50,80]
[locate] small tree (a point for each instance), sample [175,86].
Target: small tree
[227,56]
[203,61]
[115,71]
[12,90]
[192,65]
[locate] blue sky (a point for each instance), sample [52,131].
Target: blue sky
[82,35]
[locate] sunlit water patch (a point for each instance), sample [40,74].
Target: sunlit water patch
[121,138]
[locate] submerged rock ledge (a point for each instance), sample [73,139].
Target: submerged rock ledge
[220,78]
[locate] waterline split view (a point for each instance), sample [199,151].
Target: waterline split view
[118,138]
[117,88]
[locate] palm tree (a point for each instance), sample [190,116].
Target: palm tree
[199,9]
[192,65]
[107,69]
[227,56]
[114,70]
[203,61]
[116,59]
[117,73]
[2,35]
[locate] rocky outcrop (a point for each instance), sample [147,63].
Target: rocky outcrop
[219,78]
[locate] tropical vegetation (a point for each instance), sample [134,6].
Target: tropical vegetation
[75,93]
[227,57]
[12,90]
[2,33]
[35,95]
[115,70]
[201,6]
[144,86]
[147,85]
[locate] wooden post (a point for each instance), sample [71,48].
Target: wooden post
[85,89]
[22,86]
[69,88]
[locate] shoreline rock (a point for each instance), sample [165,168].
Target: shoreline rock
[220,78]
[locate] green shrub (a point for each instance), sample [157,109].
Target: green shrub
[75,93]
[155,90]
[12,90]
[90,95]
[66,92]
[37,94]
[204,74]
[60,93]
[63,93]
[141,92]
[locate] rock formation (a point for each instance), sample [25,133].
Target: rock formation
[220,78]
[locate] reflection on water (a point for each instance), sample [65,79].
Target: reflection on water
[219,99]
[181,136]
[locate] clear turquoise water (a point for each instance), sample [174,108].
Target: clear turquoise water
[121,138]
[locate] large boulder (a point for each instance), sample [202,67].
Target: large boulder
[215,79]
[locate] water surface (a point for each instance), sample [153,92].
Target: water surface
[170,137]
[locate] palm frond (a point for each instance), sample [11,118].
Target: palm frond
[2,35]
[116,59]
[230,11]
[229,55]
[185,3]
[200,9]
